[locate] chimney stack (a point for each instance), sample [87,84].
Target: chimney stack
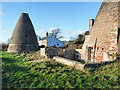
[91,23]
[46,34]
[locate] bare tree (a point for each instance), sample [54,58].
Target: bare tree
[72,38]
[56,33]
[38,37]
[8,41]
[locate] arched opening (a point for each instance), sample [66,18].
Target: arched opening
[42,46]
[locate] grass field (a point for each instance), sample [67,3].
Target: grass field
[20,71]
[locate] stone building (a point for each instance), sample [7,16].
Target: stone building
[23,37]
[104,34]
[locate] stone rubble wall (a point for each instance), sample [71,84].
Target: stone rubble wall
[72,54]
[79,65]
[49,52]
[86,43]
[69,62]
[82,53]
[67,53]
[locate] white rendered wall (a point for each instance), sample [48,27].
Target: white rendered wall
[40,42]
[52,41]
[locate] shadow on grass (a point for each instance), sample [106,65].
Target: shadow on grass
[13,74]
[10,65]
[97,65]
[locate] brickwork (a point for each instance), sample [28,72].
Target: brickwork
[105,30]
[119,28]
[91,23]
[23,38]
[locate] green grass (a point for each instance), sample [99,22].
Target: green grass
[19,72]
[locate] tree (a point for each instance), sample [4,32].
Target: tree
[72,38]
[87,33]
[8,41]
[80,39]
[38,37]
[56,33]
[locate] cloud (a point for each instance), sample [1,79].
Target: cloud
[1,13]
[15,22]
[77,32]
[74,32]
[41,32]
[80,32]
[4,31]
[52,28]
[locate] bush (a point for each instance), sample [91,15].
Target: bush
[74,46]
[80,39]
[3,46]
[87,33]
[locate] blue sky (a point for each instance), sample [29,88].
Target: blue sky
[71,17]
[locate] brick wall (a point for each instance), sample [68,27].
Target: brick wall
[119,28]
[105,30]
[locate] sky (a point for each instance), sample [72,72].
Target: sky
[72,18]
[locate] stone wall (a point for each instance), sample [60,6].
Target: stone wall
[75,54]
[69,62]
[70,53]
[49,52]
[82,53]
[79,65]
[66,53]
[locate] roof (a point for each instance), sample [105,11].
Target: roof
[49,36]
[43,38]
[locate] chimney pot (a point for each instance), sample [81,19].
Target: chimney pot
[46,34]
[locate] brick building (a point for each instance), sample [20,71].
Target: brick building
[104,33]
[23,38]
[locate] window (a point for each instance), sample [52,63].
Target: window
[97,48]
[102,48]
[57,44]
[25,35]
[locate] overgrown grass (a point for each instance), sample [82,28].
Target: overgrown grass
[19,72]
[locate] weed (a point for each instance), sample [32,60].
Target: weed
[18,72]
